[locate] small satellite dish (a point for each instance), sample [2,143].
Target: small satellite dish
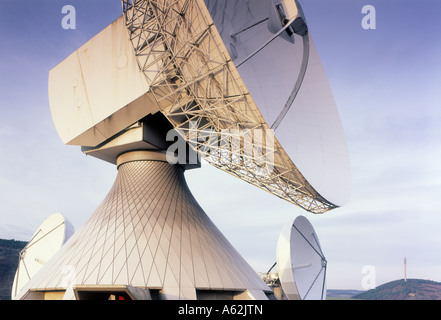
[45,242]
[300,262]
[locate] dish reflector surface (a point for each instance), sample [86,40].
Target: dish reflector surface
[309,128]
[45,242]
[300,262]
[221,67]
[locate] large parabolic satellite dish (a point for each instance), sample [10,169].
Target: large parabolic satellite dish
[244,66]
[232,71]
[241,84]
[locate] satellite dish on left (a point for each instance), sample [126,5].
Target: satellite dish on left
[45,242]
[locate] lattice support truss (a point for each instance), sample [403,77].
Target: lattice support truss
[199,89]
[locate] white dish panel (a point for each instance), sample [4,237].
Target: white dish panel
[45,242]
[311,131]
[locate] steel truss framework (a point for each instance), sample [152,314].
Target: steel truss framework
[198,87]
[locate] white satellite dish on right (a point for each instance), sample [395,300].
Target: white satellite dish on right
[300,262]
[45,242]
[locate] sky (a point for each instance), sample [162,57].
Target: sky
[387,85]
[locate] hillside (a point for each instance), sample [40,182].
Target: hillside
[9,250]
[335,294]
[412,289]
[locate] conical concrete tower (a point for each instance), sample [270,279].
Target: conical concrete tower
[149,239]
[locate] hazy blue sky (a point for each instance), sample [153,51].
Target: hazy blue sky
[387,85]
